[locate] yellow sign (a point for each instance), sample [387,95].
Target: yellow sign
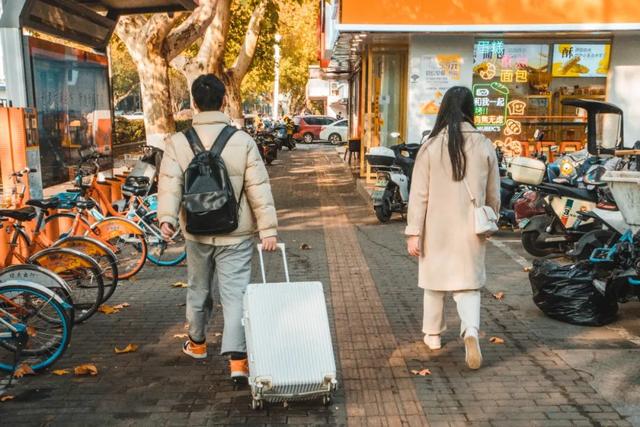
[581,60]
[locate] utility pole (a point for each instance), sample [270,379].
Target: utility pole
[276,80]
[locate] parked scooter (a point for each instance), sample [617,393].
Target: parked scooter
[561,226]
[394,166]
[282,138]
[267,146]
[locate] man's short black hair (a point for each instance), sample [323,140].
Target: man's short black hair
[208,93]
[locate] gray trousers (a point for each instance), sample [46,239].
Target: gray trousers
[228,267]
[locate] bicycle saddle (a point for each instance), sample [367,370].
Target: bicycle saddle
[84,204]
[23,214]
[50,203]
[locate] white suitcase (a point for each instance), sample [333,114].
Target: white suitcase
[288,340]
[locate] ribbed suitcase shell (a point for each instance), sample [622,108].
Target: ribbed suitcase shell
[288,341]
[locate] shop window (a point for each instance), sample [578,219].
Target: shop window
[519,88]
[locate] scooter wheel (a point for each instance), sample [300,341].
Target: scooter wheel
[531,245]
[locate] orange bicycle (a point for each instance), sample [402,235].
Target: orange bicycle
[83,274]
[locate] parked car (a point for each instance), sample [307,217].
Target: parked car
[336,132]
[308,127]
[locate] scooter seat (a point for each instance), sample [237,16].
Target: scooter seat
[50,203]
[567,191]
[508,183]
[406,164]
[23,214]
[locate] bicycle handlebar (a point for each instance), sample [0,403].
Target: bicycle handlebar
[23,172]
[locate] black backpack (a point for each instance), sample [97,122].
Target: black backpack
[208,198]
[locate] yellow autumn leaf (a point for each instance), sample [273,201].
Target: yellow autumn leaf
[179,285]
[60,372]
[23,370]
[527,269]
[107,309]
[121,306]
[499,296]
[130,348]
[496,340]
[422,373]
[86,369]
[181,335]
[6,397]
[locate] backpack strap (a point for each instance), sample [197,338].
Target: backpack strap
[221,141]
[194,141]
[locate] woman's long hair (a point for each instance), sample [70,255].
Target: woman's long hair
[457,107]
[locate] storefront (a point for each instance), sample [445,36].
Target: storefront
[520,62]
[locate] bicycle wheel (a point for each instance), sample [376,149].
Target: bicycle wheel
[32,319]
[160,252]
[58,226]
[126,240]
[101,253]
[41,276]
[81,272]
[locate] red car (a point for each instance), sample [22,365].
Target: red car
[307,128]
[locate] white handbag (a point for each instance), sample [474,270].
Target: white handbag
[486,220]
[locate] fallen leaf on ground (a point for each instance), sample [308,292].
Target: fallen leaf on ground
[6,397]
[130,348]
[181,304]
[181,335]
[422,373]
[305,247]
[23,370]
[31,331]
[527,269]
[86,369]
[499,296]
[60,372]
[179,285]
[496,340]
[121,306]
[217,334]
[107,309]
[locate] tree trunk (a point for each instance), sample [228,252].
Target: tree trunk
[233,99]
[156,99]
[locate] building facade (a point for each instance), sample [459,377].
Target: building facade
[520,60]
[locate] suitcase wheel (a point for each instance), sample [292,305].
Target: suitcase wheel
[326,400]
[257,404]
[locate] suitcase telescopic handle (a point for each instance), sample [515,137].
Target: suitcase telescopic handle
[284,260]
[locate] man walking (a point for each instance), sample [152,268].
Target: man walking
[222,259]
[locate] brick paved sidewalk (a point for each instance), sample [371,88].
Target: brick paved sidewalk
[375,309]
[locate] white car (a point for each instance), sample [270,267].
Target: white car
[336,132]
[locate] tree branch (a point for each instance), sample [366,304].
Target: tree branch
[128,30]
[215,39]
[158,27]
[245,57]
[189,30]
[120,98]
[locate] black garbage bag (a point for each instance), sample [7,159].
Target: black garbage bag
[568,293]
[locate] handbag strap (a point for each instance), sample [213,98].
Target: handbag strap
[473,199]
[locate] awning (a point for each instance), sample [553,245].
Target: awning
[90,22]
[131,7]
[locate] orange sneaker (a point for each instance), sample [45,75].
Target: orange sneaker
[239,369]
[197,351]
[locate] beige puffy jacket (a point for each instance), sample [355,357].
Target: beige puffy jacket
[244,165]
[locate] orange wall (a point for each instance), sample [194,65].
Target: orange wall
[489,12]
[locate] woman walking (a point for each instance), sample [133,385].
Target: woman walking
[456,163]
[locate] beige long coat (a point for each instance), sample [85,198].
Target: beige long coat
[441,212]
[247,173]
